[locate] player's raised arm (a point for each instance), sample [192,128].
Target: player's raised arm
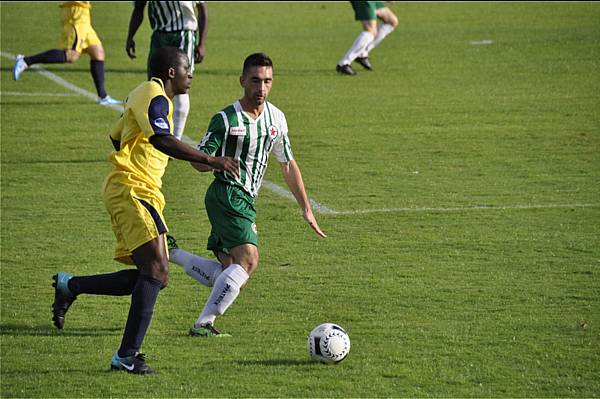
[293,178]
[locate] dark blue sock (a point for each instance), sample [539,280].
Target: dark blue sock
[143,299]
[97,69]
[47,57]
[119,283]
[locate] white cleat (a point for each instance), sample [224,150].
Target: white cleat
[20,66]
[108,100]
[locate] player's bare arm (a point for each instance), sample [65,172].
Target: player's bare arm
[200,167]
[137,17]
[202,32]
[176,149]
[293,178]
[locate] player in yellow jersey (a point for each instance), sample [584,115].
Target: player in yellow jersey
[77,36]
[143,140]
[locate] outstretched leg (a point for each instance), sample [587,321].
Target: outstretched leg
[241,263]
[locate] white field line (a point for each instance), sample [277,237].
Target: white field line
[481,42]
[61,82]
[282,192]
[24,94]
[464,209]
[318,207]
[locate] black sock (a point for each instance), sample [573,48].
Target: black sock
[119,283]
[97,69]
[143,299]
[47,57]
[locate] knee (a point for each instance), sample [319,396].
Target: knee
[246,256]
[250,264]
[372,30]
[96,53]
[393,21]
[160,272]
[370,26]
[71,56]
[250,267]
[165,283]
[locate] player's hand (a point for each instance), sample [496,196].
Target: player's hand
[312,222]
[130,48]
[199,54]
[226,164]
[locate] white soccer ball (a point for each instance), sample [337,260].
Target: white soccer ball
[328,343]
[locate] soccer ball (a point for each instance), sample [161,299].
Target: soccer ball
[328,343]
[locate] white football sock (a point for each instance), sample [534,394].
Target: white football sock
[382,32]
[224,293]
[181,109]
[202,270]
[358,47]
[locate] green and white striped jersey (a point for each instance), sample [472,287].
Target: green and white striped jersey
[233,133]
[172,16]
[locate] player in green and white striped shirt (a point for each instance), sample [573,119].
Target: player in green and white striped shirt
[235,133]
[248,130]
[174,24]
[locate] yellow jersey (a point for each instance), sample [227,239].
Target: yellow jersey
[137,163]
[82,4]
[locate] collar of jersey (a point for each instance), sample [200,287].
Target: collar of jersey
[238,107]
[159,81]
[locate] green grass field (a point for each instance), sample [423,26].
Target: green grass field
[463,182]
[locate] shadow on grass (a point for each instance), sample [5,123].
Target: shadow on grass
[276,362]
[49,102]
[49,331]
[53,161]
[199,71]
[84,68]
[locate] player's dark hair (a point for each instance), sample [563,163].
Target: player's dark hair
[257,59]
[163,59]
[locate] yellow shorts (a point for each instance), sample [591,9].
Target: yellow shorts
[136,219]
[77,32]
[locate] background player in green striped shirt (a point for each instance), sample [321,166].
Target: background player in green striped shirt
[248,130]
[173,23]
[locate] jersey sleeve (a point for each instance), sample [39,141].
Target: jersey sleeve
[282,148]
[215,135]
[156,119]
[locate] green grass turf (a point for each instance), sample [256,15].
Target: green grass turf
[483,302]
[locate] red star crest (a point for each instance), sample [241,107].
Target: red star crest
[272,131]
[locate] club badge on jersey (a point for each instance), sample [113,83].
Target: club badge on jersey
[161,124]
[273,132]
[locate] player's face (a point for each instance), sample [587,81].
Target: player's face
[257,82]
[182,80]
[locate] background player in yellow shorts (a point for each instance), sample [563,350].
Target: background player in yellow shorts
[143,140]
[77,36]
